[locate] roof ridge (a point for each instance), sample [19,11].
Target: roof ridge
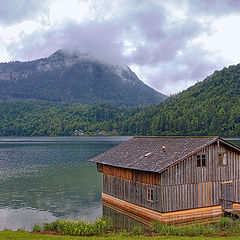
[176,136]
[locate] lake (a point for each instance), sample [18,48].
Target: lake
[45,178]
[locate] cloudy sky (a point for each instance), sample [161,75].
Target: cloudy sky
[169,44]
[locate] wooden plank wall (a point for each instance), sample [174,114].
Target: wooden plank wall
[188,172]
[180,187]
[134,175]
[146,215]
[166,198]
[131,191]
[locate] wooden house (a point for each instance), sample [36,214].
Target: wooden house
[171,179]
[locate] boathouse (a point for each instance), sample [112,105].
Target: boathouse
[171,179]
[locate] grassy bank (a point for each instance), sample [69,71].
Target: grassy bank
[224,228]
[21,235]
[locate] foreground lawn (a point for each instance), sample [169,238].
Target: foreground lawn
[20,235]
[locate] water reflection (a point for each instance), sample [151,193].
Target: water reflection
[119,221]
[50,176]
[23,218]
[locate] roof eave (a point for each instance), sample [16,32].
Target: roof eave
[230,144]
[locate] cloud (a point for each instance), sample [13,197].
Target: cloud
[98,39]
[15,11]
[213,7]
[165,48]
[156,36]
[189,67]
[146,27]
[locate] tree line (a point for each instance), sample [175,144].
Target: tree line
[211,107]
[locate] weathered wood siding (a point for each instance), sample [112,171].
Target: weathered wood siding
[131,191]
[146,216]
[182,186]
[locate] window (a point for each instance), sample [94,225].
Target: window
[150,194]
[201,160]
[222,159]
[99,167]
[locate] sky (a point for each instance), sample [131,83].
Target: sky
[170,45]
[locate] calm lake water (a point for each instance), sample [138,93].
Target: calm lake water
[45,178]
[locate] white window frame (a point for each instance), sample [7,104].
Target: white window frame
[150,194]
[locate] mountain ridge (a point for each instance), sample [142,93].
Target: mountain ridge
[73,78]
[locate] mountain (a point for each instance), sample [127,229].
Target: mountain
[211,107]
[74,78]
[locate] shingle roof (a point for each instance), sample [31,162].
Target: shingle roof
[146,153]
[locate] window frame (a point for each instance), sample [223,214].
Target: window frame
[150,194]
[201,160]
[222,159]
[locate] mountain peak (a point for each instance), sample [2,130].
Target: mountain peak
[74,77]
[63,53]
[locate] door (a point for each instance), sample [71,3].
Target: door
[227,195]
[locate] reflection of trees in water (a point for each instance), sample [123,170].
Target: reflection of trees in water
[119,220]
[62,191]
[51,175]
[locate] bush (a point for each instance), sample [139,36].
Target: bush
[52,227]
[37,228]
[77,227]
[137,230]
[225,223]
[236,229]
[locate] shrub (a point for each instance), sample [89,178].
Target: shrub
[225,223]
[52,227]
[236,229]
[163,229]
[137,230]
[37,228]
[78,227]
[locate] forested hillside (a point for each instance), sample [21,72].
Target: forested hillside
[74,78]
[41,118]
[211,107]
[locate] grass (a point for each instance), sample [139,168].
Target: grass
[21,235]
[225,226]
[188,230]
[100,230]
[102,227]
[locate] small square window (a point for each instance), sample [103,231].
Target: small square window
[150,194]
[222,159]
[201,160]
